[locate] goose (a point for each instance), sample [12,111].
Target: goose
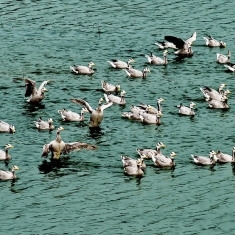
[58,146]
[164,45]
[184,47]
[80,69]
[151,109]
[97,115]
[149,152]
[5,127]
[230,67]
[152,59]
[8,175]
[212,92]
[118,64]
[223,157]
[222,59]
[127,161]
[4,155]
[164,161]
[134,170]
[201,160]
[211,42]
[70,116]
[115,99]
[149,118]
[107,87]
[133,115]
[134,73]
[35,95]
[218,104]
[44,125]
[186,110]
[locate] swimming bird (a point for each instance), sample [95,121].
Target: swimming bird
[134,114]
[58,146]
[211,42]
[4,154]
[164,161]
[134,170]
[35,95]
[8,175]
[230,67]
[151,109]
[5,127]
[70,116]
[44,125]
[134,73]
[218,104]
[97,114]
[223,157]
[149,152]
[186,110]
[149,118]
[222,59]
[212,93]
[80,69]
[201,160]
[127,161]
[107,87]
[184,47]
[164,45]
[118,64]
[152,59]
[115,99]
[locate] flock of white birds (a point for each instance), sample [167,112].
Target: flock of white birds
[144,113]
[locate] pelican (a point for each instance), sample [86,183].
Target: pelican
[80,69]
[164,161]
[44,125]
[134,73]
[184,47]
[115,99]
[134,170]
[222,59]
[36,95]
[4,154]
[58,146]
[70,116]
[186,110]
[8,175]
[216,104]
[201,160]
[127,161]
[211,42]
[164,45]
[149,152]
[5,127]
[107,87]
[152,59]
[118,64]
[97,115]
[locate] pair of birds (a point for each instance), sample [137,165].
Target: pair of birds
[216,99]
[159,160]
[145,113]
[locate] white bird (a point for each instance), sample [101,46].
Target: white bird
[80,69]
[36,95]
[134,170]
[186,110]
[152,59]
[127,161]
[44,125]
[201,160]
[134,73]
[230,67]
[115,99]
[223,157]
[164,45]
[71,116]
[8,175]
[164,161]
[149,118]
[212,93]
[97,114]
[4,154]
[218,104]
[222,59]
[211,42]
[118,64]
[107,87]
[151,109]
[5,127]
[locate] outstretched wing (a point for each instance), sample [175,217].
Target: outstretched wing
[45,150]
[177,41]
[30,86]
[83,103]
[76,146]
[106,105]
[43,84]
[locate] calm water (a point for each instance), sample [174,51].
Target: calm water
[86,192]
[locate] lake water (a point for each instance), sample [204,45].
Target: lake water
[87,192]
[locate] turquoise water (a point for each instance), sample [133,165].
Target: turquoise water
[87,192]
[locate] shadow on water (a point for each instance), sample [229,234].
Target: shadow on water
[95,133]
[33,107]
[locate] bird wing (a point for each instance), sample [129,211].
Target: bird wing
[191,39]
[83,103]
[43,84]
[76,146]
[30,86]
[106,105]
[45,150]
[177,41]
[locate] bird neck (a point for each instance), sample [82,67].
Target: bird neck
[7,154]
[13,174]
[58,137]
[144,74]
